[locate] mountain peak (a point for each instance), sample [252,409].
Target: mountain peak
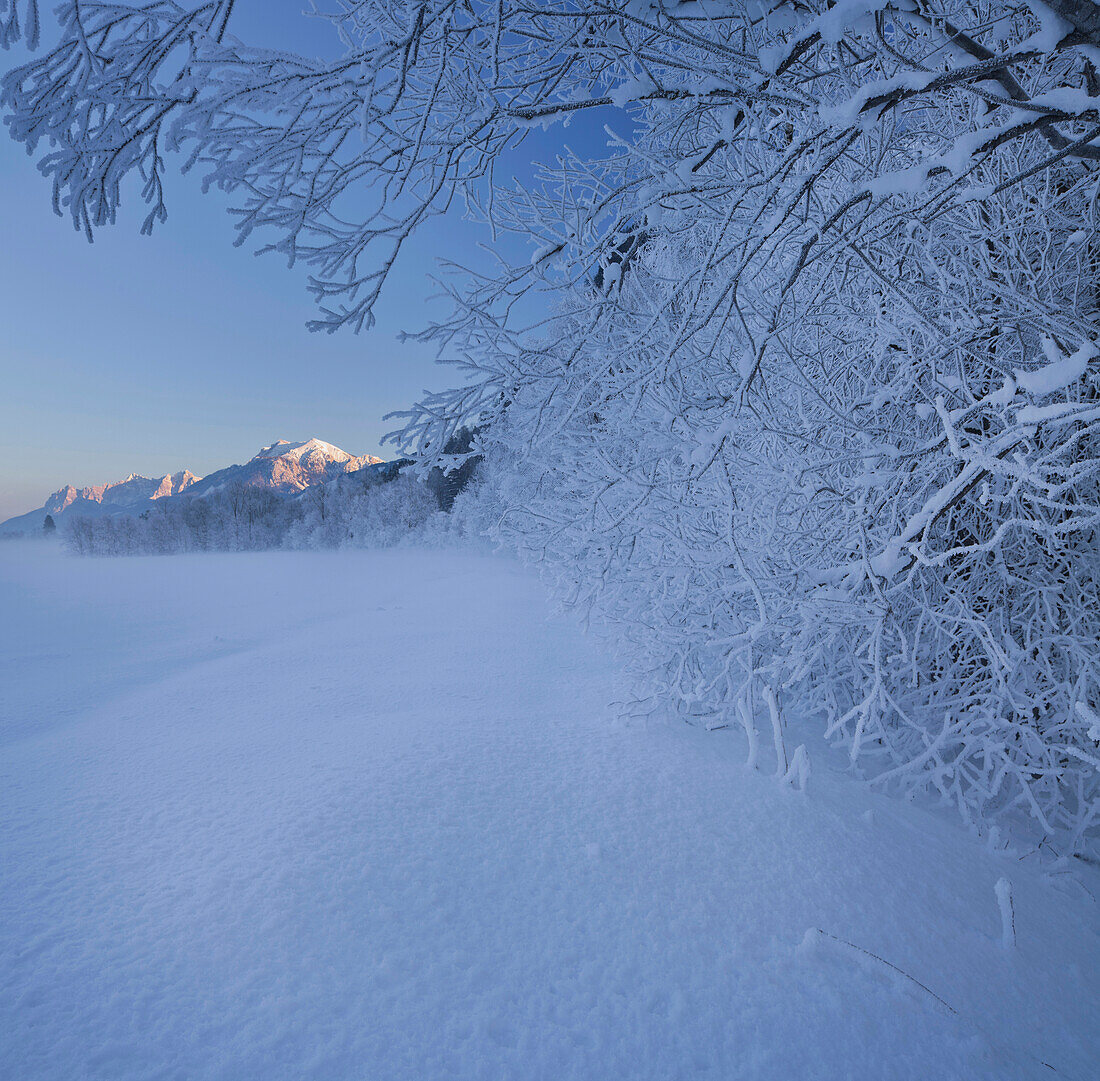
[274,450]
[282,448]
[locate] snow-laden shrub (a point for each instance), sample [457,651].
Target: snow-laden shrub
[823,427]
[762,551]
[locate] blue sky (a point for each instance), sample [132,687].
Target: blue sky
[180,351]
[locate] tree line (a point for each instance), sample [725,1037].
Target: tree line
[368,509]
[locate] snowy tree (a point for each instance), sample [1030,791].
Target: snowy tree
[364,512]
[796,384]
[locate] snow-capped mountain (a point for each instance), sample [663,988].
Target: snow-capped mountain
[125,493]
[282,466]
[286,467]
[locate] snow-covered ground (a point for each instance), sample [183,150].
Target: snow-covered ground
[369,815]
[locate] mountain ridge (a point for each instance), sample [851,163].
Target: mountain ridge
[134,489]
[282,466]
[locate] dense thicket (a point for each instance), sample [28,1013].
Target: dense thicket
[811,406]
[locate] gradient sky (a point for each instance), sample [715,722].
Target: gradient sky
[149,355]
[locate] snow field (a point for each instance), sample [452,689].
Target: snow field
[370,815]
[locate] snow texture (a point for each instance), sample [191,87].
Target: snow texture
[1060,373]
[351,815]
